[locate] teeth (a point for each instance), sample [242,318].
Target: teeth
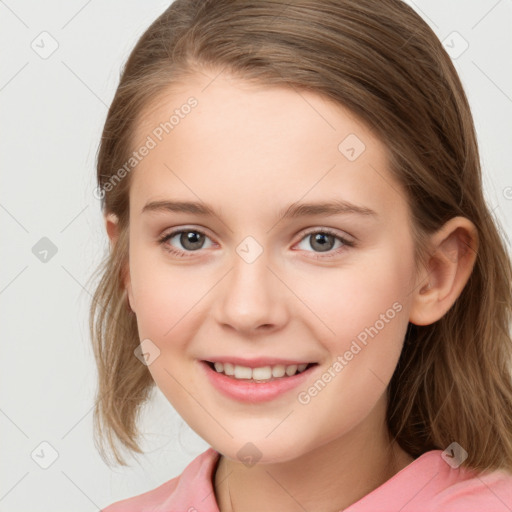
[278,370]
[229,369]
[260,373]
[263,373]
[291,370]
[242,372]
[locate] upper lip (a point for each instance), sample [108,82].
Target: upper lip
[256,362]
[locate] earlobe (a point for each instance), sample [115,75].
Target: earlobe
[448,270]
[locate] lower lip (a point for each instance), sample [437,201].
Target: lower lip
[250,390]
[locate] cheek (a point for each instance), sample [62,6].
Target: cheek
[366,307]
[372,291]
[166,297]
[168,304]
[372,331]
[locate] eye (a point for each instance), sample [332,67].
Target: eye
[324,240]
[191,239]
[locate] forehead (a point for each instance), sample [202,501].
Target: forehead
[220,136]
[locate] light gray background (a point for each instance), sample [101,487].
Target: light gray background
[52,112]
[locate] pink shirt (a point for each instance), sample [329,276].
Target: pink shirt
[428,484]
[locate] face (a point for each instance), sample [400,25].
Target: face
[261,282]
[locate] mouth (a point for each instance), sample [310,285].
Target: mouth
[261,374]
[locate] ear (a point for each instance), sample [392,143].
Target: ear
[453,255]
[112,227]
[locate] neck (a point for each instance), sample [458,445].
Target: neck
[330,477]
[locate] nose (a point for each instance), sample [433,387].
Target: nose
[251,298]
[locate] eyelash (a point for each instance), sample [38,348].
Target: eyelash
[185,254]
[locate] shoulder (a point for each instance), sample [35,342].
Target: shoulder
[430,484]
[192,490]
[473,492]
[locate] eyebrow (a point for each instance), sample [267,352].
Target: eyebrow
[295,210]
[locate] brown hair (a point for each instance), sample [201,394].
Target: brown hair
[382,61]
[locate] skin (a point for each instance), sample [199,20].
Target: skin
[250,151]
